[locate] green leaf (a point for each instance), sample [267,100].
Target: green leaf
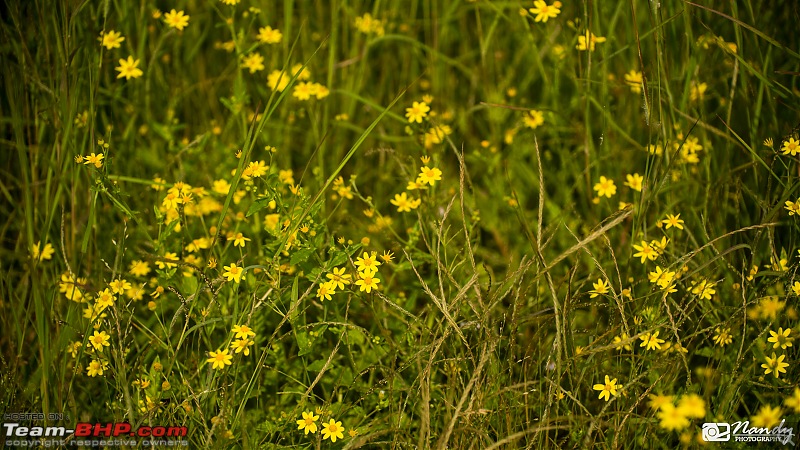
[316,366]
[231,104]
[293,311]
[190,284]
[258,205]
[303,343]
[308,345]
[708,352]
[338,259]
[356,336]
[353,249]
[268,427]
[154,374]
[301,255]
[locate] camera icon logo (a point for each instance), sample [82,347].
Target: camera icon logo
[716,432]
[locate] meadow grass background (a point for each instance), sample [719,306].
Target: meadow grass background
[513,289]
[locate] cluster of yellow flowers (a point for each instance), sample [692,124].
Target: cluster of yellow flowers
[332,430]
[634,80]
[650,340]
[706,40]
[417,112]
[588,40]
[367,265]
[420,112]
[533,119]
[436,135]
[99,364]
[184,195]
[775,364]
[128,68]
[678,417]
[342,190]
[254,169]
[242,340]
[337,279]
[606,187]
[664,278]
[268,35]
[428,176]
[72,287]
[93,159]
[278,80]
[697,91]
[650,250]
[367,270]
[689,149]
[369,25]
[254,62]
[176,19]
[76,289]
[39,253]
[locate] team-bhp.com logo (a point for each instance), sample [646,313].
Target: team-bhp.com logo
[84,429]
[90,434]
[741,432]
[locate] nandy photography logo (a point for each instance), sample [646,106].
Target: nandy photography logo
[742,432]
